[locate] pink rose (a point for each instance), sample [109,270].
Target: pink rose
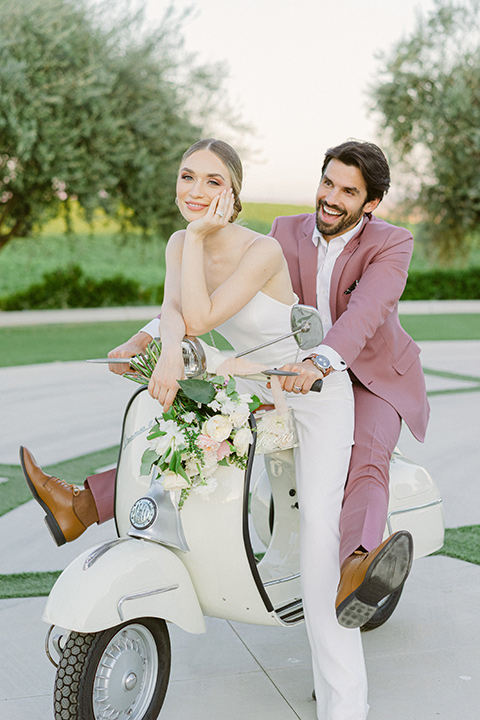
[207,443]
[223,451]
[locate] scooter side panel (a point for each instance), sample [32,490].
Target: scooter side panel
[415,505]
[133,578]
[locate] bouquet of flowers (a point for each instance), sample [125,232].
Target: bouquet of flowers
[206,426]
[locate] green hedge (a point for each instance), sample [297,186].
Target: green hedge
[443,285]
[71,288]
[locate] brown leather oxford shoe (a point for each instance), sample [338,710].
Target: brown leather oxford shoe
[367,578]
[56,497]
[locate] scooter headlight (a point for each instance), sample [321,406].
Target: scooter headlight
[194,359]
[143,513]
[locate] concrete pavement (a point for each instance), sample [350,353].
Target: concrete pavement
[423,664]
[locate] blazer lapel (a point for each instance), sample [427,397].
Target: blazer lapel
[307,260]
[339,267]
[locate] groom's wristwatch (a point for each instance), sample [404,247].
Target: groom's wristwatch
[321,362]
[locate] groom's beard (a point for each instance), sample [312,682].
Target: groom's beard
[345,222]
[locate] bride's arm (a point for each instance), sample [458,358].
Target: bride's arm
[163,384]
[259,264]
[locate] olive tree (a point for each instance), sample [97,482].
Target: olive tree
[94,108]
[428,99]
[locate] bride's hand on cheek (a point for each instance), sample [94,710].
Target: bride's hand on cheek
[163,385]
[217,216]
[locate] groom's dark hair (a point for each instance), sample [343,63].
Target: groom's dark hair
[369,159]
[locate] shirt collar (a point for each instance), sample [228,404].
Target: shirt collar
[317,235]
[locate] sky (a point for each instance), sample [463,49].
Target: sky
[298,73]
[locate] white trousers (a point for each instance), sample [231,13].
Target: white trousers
[325,427]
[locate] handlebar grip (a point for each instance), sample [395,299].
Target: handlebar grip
[317,386]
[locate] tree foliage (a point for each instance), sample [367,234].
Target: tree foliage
[94,108]
[429,99]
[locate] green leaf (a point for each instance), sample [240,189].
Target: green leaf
[218,380]
[175,462]
[214,339]
[149,458]
[182,472]
[155,432]
[254,404]
[200,391]
[223,462]
[170,415]
[231,386]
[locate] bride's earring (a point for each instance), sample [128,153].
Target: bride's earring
[176,201]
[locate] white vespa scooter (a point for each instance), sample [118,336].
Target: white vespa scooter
[115,600]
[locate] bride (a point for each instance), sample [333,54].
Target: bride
[220,275]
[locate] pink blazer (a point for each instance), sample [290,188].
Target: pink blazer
[367,281]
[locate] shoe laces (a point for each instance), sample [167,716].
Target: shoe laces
[67,486]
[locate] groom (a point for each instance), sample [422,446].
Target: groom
[353,267]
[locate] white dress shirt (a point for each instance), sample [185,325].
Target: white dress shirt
[327,254]
[152,328]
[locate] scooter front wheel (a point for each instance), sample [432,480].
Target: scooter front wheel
[119,673]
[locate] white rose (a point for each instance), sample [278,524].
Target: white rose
[172,481]
[240,416]
[242,440]
[192,466]
[218,427]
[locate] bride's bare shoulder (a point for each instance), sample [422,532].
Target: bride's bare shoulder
[264,244]
[176,240]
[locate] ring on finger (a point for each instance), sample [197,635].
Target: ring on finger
[221,214]
[295,387]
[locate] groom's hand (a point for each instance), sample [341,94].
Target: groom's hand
[137,344]
[302,383]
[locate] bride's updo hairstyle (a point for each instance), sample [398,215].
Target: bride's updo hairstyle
[232,162]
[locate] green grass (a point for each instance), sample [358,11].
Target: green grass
[462,543]
[15,491]
[32,584]
[442,327]
[24,261]
[25,345]
[102,252]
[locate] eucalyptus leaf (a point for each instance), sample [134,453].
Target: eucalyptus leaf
[149,458]
[200,391]
[231,386]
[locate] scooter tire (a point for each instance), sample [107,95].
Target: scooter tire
[87,686]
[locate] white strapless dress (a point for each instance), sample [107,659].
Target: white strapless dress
[263,319]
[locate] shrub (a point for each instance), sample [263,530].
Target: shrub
[443,284]
[71,288]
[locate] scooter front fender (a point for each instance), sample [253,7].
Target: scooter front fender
[121,580]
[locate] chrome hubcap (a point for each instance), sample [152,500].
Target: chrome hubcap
[126,675]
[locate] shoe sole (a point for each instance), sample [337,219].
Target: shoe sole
[386,574]
[50,522]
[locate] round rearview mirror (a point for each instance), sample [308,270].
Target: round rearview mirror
[306,326]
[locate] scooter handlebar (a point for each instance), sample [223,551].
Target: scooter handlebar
[317,386]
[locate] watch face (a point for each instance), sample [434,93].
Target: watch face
[322,361]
